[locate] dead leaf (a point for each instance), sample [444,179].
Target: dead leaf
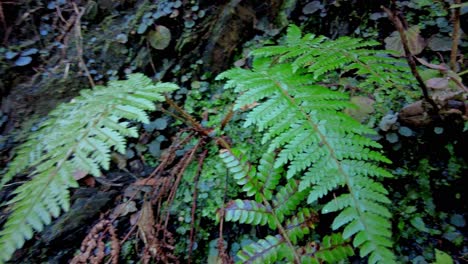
[441,67]
[124,209]
[119,159]
[79,174]
[134,218]
[145,182]
[414,115]
[413,109]
[365,107]
[437,83]
[146,228]
[416,43]
[89,181]
[442,96]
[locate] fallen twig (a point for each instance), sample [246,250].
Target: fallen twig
[409,57]
[455,37]
[194,202]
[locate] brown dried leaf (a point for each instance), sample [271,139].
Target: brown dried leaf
[416,43]
[145,182]
[79,174]
[89,181]
[440,67]
[437,83]
[146,224]
[124,209]
[119,159]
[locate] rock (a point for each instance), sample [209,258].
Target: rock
[70,227]
[388,121]
[414,114]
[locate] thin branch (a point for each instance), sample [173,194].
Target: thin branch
[194,202]
[455,37]
[2,18]
[187,118]
[179,171]
[79,42]
[409,57]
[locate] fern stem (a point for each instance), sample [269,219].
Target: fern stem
[187,118]
[282,230]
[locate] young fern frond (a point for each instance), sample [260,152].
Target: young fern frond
[77,136]
[316,142]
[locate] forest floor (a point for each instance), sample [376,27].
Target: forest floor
[53,49]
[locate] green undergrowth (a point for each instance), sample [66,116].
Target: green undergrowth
[292,156]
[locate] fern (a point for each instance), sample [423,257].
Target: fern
[280,212]
[319,56]
[332,249]
[77,136]
[316,142]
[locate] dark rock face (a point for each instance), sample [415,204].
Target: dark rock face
[58,241]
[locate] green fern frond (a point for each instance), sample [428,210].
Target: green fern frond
[268,175]
[315,141]
[242,172]
[272,249]
[77,136]
[287,199]
[271,210]
[300,225]
[259,184]
[332,249]
[320,56]
[268,250]
[249,212]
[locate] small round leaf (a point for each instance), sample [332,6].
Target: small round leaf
[10,55]
[405,131]
[22,61]
[160,38]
